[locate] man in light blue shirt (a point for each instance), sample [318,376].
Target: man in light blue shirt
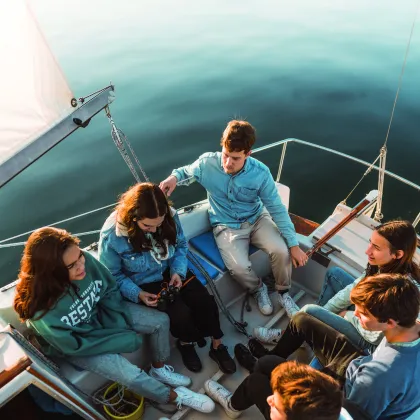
[245,208]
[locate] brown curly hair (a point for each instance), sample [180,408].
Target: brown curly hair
[43,276]
[145,200]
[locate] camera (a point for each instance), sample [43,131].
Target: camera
[167,296]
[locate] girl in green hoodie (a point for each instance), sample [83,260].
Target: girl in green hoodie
[73,304]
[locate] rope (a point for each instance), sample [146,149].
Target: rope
[120,139]
[62,221]
[15,244]
[240,326]
[368,170]
[83,98]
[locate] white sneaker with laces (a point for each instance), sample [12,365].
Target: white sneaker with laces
[263,300]
[267,335]
[167,376]
[288,304]
[221,395]
[194,400]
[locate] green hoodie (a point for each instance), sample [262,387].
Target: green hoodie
[96,323]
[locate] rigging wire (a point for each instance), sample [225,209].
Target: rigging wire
[384,146]
[59,222]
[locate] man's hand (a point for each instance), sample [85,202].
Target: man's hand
[299,258]
[148,299]
[342,314]
[176,280]
[168,185]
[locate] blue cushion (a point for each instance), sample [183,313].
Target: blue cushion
[211,271]
[207,246]
[316,364]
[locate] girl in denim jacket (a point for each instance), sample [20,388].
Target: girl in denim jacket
[144,247]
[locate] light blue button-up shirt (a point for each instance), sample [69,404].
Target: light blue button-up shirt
[235,199]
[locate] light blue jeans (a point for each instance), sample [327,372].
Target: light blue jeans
[341,325]
[118,369]
[335,280]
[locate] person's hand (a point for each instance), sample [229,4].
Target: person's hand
[168,185]
[342,314]
[299,258]
[176,280]
[148,299]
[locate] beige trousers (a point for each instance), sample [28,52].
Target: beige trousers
[234,247]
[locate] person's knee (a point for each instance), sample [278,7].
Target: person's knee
[239,270]
[310,308]
[161,322]
[279,253]
[299,319]
[333,273]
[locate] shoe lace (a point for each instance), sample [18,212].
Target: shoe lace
[288,301]
[273,333]
[167,369]
[262,297]
[183,398]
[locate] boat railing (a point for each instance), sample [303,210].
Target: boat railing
[370,166]
[327,149]
[4,242]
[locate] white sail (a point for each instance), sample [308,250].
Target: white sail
[34,92]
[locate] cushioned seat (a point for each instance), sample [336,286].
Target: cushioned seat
[207,246]
[211,271]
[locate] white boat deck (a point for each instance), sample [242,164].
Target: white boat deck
[210,368]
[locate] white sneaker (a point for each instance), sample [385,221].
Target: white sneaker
[167,376]
[288,304]
[193,400]
[267,335]
[263,300]
[221,395]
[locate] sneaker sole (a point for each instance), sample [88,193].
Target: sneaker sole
[210,394]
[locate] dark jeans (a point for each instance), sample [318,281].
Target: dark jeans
[256,388]
[194,314]
[333,349]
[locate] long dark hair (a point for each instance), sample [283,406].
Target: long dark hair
[43,276]
[402,236]
[146,200]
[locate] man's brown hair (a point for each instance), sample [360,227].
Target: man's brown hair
[238,136]
[388,296]
[305,393]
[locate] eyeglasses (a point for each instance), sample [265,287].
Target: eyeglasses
[72,265]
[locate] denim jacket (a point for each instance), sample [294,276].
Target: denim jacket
[131,269]
[235,199]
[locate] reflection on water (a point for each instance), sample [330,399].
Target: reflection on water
[325,72]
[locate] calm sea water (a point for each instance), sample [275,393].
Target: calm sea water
[322,71]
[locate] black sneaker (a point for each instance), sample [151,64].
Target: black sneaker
[244,357]
[256,348]
[222,357]
[189,356]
